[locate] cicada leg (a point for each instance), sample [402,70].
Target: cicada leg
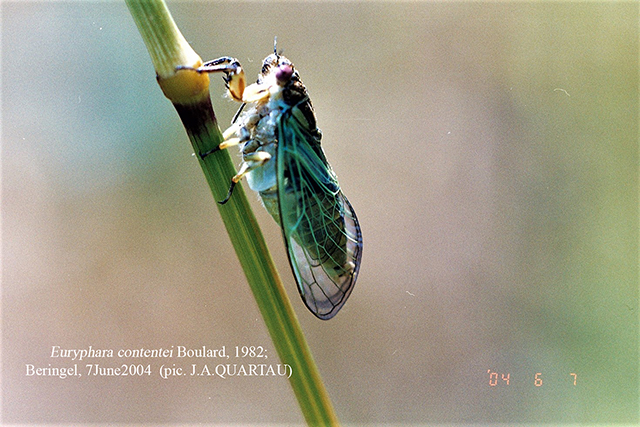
[251,161]
[233,74]
[228,140]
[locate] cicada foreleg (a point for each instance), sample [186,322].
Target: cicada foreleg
[233,74]
[234,81]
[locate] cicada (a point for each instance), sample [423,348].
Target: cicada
[283,161]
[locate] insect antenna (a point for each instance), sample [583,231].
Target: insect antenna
[275,48]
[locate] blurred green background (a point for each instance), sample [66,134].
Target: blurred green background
[489,149]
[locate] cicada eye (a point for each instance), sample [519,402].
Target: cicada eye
[284,73]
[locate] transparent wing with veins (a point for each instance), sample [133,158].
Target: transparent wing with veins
[319,226]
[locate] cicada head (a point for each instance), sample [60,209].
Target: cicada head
[276,63]
[278,71]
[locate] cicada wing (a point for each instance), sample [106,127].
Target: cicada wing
[319,226]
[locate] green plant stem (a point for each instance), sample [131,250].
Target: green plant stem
[189,93]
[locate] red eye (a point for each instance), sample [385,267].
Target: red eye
[284,73]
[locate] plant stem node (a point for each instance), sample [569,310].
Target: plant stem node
[185,86]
